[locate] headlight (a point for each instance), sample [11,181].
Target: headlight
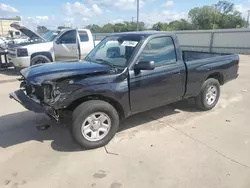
[22,52]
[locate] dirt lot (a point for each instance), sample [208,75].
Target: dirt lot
[174,146]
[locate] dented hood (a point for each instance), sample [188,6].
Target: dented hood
[52,71]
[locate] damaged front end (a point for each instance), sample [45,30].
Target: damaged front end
[38,98]
[52,87]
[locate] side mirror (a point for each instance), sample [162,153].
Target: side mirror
[58,41]
[145,65]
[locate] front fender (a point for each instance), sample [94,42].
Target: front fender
[115,91]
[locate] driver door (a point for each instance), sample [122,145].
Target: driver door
[66,47]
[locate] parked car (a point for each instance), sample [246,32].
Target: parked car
[125,74]
[3,43]
[56,45]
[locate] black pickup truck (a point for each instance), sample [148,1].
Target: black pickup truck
[124,74]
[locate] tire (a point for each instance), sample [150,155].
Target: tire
[204,99]
[84,113]
[39,59]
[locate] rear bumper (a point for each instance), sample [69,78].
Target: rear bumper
[32,105]
[19,61]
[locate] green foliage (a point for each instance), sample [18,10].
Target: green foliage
[117,27]
[18,18]
[179,25]
[160,26]
[220,16]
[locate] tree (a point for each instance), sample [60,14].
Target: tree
[119,27]
[225,7]
[108,28]
[94,28]
[202,18]
[160,26]
[18,18]
[222,15]
[227,16]
[179,25]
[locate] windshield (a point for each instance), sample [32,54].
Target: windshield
[50,35]
[114,50]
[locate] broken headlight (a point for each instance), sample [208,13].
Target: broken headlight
[50,92]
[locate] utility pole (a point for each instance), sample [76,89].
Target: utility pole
[248,14]
[137,27]
[132,19]
[214,16]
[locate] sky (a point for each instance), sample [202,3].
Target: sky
[51,13]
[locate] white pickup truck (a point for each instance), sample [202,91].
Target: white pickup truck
[57,45]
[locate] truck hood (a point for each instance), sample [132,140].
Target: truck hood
[29,33]
[52,71]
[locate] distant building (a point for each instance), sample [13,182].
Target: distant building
[6,30]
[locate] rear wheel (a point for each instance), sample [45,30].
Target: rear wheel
[95,123]
[209,95]
[39,59]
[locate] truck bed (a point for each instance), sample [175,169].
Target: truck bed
[195,55]
[202,65]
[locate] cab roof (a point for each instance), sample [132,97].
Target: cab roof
[144,34]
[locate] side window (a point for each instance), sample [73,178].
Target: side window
[161,50]
[83,36]
[68,37]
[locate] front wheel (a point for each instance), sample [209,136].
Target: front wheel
[95,123]
[209,95]
[39,59]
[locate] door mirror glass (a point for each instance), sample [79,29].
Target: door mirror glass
[145,65]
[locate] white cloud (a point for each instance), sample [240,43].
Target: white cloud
[164,16]
[42,17]
[76,9]
[33,21]
[120,4]
[80,9]
[168,4]
[7,9]
[116,21]
[85,19]
[243,8]
[96,9]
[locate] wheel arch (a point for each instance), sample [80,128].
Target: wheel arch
[109,100]
[47,54]
[218,76]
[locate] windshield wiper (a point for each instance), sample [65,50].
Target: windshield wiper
[105,62]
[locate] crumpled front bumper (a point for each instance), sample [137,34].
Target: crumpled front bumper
[27,102]
[31,105]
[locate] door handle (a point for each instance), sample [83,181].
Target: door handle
[176,73]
